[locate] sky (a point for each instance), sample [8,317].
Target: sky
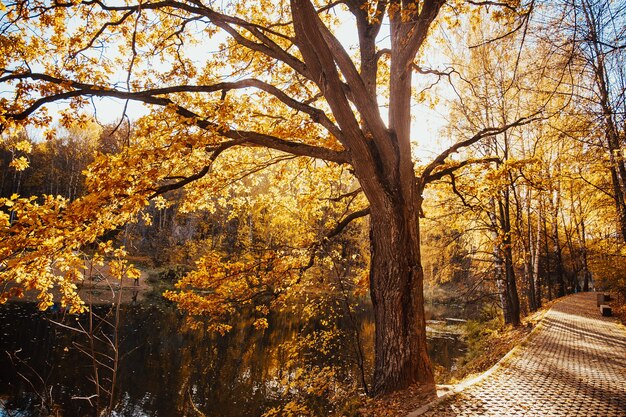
[426,128]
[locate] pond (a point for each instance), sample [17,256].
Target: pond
[163,367]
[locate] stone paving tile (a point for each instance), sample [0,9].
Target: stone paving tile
[574,365]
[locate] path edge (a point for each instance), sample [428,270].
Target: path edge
[457,388]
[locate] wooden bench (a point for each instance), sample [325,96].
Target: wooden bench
[602,299]
[605,310]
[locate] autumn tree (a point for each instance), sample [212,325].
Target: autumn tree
[590,34]
[521,199]
[241,74]
[493,80]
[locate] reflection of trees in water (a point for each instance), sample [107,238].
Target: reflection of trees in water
[62,360]
[167,367]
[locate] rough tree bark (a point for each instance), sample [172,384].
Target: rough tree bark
[546,249]
[524,231]
[396,278]
[586,272]
[503,265]
[503,250]
[529,271]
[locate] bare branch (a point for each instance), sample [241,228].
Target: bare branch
[101,31]
[264,45]
[346,221]
[525,18]
[492,3]
[602,190]
[458,193]
[423,70]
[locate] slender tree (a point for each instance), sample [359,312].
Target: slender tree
[593,32]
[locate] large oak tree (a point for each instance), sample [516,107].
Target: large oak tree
[225,75]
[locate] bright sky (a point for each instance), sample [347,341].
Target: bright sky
[426,128]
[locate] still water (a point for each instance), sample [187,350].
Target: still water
[161,367]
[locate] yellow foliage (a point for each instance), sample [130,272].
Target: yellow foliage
[260,324]
[133,273]
[24,146]
[20,163]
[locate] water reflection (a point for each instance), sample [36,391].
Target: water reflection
[165,369]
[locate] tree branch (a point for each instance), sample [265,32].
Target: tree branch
[484,133]
[346,195]
[419,30]
[458,193]
[266,45]
[524,20]
[316,114]
[334,232]
[321,64]
[153,97]
[450,170]
[492,3]
[381,52]
[366,107]
[207,168]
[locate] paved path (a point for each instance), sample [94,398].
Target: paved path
[573,365]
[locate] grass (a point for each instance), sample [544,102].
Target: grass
[489,341]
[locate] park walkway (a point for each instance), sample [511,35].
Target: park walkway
[574,364]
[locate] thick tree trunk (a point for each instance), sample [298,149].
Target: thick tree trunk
[396,275]
[382,160]
[396,285]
